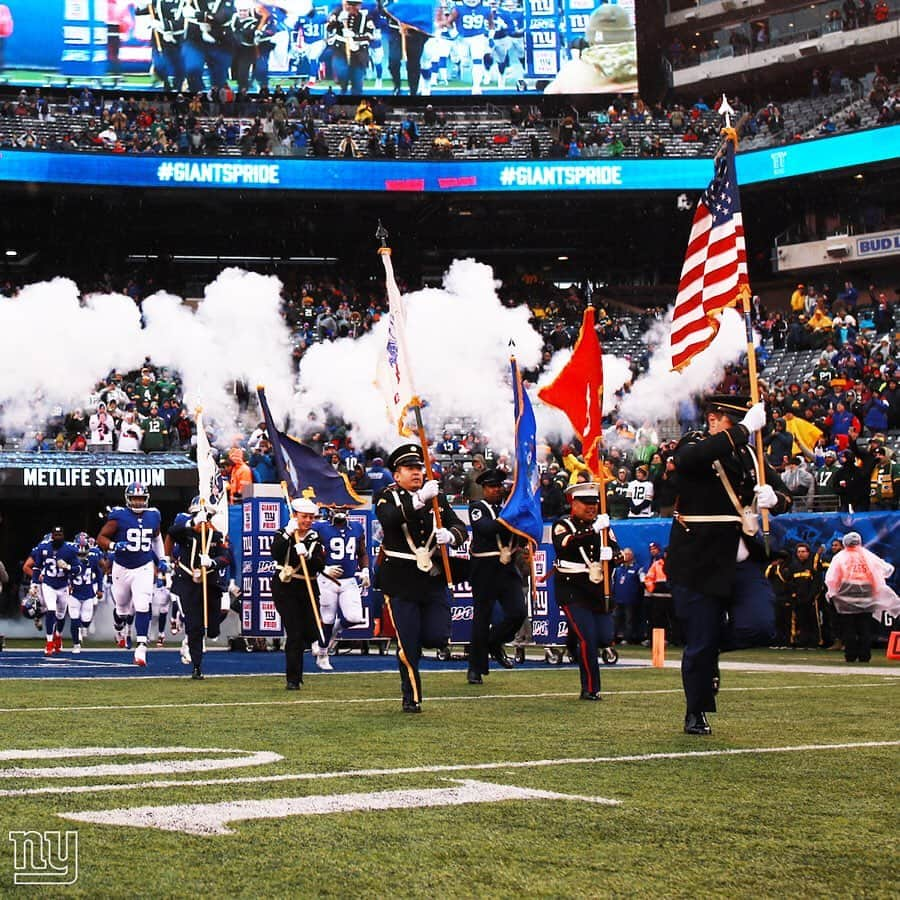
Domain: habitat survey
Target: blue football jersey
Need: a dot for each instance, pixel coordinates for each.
(472, 20)
(341, 545)
(47, 559)
(89, 580)
(135, 530)
(314, 28)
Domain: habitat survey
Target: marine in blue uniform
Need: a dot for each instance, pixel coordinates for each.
(167, 25)
(208, 41)
(411, 576)
(583, 542)
(495, 573)
(720, 593)
(201, 553)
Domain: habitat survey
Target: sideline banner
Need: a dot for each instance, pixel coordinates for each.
(259, 518)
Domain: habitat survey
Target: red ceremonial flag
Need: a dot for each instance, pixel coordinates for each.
(714, 274)
(578, 391)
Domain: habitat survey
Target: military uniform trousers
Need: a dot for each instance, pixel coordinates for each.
(422, 619)
(493, 584)
(713, 624)
(589, 630)
(299, 623)
(190, 596)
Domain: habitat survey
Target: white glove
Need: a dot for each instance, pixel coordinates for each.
(365, 579)
(425, 493)
(302, 549)
(766, 497)
(206, 561)
(291, 526)
(233, 590)
(606, 554)
(333, 571)
(601, 522)
(62, 565)
(33, 592)
(201, 517)
(443, 535)
(755, 418)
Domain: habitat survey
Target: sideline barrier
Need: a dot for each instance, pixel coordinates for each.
(260, 516)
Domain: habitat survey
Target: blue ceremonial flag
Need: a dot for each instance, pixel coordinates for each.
(522, 511)
(305, 472)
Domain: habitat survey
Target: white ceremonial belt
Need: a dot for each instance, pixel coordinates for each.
(567, 567)
(730, 520)
(399, 554)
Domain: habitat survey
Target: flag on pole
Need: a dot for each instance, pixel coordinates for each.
(305, 472)
(714, 274)
(393, 375)
(522, 511)
(578, 392)
(211, 491)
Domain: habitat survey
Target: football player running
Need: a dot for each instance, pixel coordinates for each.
(49, 566)
(86, 587)
(346, 570)
(133, 533)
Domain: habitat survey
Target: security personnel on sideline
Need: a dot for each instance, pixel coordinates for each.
(495, 578)
(299, 556)
(715, 566)
(197, 561)
(412, 575)
(579, 583)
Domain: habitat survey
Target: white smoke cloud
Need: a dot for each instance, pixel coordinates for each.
(55, 346)
(458, 342)
(655, 395)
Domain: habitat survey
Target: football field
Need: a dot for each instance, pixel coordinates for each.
(232, 787)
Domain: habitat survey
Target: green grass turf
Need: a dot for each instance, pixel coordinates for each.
(809, 824)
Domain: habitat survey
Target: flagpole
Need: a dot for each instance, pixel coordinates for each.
(204, 540)
(730, 135)
(382, 234)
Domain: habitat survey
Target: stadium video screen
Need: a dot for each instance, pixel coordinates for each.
(458, 47)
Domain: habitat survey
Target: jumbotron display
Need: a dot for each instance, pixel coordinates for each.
(455, 47)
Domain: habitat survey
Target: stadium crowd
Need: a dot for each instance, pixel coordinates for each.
(290, 121)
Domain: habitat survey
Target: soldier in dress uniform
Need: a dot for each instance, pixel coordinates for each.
(496, 577)
(714, 563)
(349, 31)
(581, 549)
(197, 561)
(411, 575)
(299, 556)
(167, 24)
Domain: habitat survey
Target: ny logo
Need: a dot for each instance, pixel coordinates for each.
(41, 858)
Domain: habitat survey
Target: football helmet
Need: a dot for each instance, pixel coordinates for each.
(339, 517)
(471, 3)
(195, 506)
(83, 543)
(137, 497)
(509, 5)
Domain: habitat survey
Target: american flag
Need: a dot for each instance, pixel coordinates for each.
(714, 274)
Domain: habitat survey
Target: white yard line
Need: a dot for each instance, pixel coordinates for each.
(442, 769)
(450, 699)
(213, 818)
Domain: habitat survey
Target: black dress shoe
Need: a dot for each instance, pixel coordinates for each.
(590, 695)
(695, 723)
(292, 686)
(499, 656)
(410, 706)
(197, 675)
(474, 677)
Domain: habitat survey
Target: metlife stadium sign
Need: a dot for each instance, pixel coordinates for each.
(290, 174)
